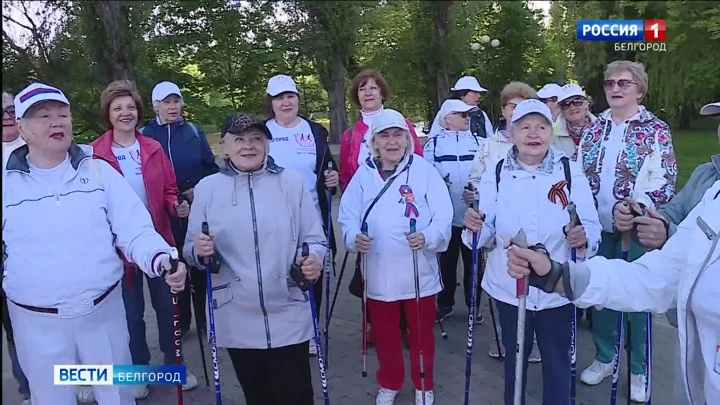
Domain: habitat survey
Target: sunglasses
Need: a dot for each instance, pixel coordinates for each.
(549, 99)
(464, 114)
(622, 83)
(9, 110)
(578, 102)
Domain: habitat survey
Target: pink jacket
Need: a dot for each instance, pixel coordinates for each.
(350, 148)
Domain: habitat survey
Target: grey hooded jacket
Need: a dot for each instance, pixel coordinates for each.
(259, 221)
(675, 211)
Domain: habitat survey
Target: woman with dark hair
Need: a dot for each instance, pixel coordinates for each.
(301, 145)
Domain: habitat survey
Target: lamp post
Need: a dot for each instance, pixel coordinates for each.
(487, 44)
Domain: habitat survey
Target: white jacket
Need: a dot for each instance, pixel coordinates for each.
(495, 148)
(561, 138)
(452, 154)
(436, 128)
(523, 203)
(390, 260)
(659, 280)
(60, 243)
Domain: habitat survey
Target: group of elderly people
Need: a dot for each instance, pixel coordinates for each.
(269, 197)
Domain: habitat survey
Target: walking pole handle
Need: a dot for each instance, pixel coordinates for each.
(574, 218)
(330, 165)
(305, 250)
(412, 225)
(364, 228)
(174, 259)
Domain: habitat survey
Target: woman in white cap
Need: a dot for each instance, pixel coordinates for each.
(530, 191)
(451, 152)
(549, 95)
(626, 152)
(259, 215)
(405, 188)
(495, 149)
(187, 147)
(661, 279)
(574, 117)
(468, 90)
(654, 230)
(64, 215)
(301, 145)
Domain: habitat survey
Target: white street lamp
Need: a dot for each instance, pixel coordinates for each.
(475, 46)
(495, 43)
(487, 42)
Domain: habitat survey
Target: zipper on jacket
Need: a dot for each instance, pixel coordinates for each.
(170, 150)
(257, 260)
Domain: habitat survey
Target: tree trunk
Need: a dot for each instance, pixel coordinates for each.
(440, 14)
(336, 90)
(116, 40)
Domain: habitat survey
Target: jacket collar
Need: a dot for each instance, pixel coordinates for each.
(18, 159)
(547, 165)
(229, 170)
(643, 116)
(715, 159)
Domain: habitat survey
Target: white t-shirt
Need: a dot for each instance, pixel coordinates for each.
(130, 164)
(367, 118)
(294, 148)
(52, 176)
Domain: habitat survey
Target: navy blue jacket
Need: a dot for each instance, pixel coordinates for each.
(187, 147)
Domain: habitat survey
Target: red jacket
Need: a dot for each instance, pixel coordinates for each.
(158, 175)
(350, 148)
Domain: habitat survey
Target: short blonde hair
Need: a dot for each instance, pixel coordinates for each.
(636, 70)
(516, 90)
(409, 150)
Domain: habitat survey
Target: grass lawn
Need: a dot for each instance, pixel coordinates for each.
(692, 148)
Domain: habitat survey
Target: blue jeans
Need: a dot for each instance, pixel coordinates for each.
(161, 298)
(23, 386)
(552, 329)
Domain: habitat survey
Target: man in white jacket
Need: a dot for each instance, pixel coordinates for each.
(657, 281)
(64, 215)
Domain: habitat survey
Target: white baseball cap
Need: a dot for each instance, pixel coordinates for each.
(531, 106)
(281, 84)
(550, 90)
(164, 89)
(570, 90)
(468, 83)
(452, 105)
(36, 93)
(388, 118)
(709, 109)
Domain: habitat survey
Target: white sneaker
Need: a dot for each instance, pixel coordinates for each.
(140, 391)
(27, 402)
(85, 394)
(385, 397)
(597, 372)
(493, 350)
(637, 388)
(190, 381)
(534, 356)
(429, 398)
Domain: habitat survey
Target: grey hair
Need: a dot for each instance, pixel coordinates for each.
(410, 147)
(155, 104)
(7, 95)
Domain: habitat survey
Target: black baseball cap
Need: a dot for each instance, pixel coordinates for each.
(239, 122)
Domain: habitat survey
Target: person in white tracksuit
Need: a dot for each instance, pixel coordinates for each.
(468, 90)
(451, 152)
(391, 188)
(495, 149)
(659, 280)
(536, 185)
(63, 217)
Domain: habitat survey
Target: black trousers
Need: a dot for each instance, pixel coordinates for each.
(278, 376)
(194, 297)
(448, 271)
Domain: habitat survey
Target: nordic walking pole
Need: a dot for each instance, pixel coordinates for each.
(648, 360)
(180, 200)
(574, 221)
(619, 333)
(521, 292)
(337, 287)
(417, 312)
(328, 263)
(308, 287)
(494, 325)
(364, 230)
(174, 257)
(211, 321)
(473, 297)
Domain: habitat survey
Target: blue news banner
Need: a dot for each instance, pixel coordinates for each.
(611, 30)
(119, 375)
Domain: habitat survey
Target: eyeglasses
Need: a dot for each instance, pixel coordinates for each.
(575, 103)
(622, 83)
(9, 110)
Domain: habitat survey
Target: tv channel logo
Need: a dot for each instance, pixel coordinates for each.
(119, 375)
(621, 30)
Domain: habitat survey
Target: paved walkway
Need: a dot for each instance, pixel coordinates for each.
(348, 387)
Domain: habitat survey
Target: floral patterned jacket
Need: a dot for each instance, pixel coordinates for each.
(646, 169)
